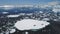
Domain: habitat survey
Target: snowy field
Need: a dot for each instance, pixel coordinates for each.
(28, 24)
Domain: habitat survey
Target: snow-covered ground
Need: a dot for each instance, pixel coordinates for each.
(13, 15)
(28, 24)
(12, 30)
(5, 12)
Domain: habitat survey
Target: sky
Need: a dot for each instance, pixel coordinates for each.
(18, 2)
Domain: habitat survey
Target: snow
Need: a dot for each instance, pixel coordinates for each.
(13, 15)
(46, 19)
(26, 32)
(7, 7)
(28, 24)
(22, 14)
(56, 10)
(4, 12)
(41, 12)
(12, 30)
(29, 14)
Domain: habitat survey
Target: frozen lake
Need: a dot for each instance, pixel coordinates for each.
(28, 24)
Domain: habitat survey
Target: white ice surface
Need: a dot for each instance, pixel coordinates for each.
(4, 12)
(13, 15)
(12, 30)
(56, 10)
(27, 24)
(7, 7)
